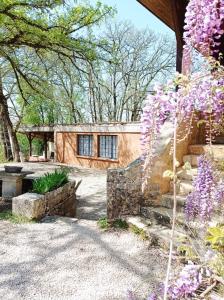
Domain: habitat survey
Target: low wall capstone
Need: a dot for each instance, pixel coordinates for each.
(61, 201)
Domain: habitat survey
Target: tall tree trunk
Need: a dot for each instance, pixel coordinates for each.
(8, 124)
(5, 141)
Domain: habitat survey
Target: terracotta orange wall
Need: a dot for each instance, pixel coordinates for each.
(66, 150)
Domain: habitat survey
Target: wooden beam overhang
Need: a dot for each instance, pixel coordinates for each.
(172, 13)
(162, 9)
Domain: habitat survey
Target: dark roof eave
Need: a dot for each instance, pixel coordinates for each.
(162, 20)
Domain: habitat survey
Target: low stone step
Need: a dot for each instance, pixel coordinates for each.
(167, 201)
(161, 235)
(187, 174)
(157, 234)
(184, 187)
(192, 159)
(161, 215)
(138, 221)
(216, 150)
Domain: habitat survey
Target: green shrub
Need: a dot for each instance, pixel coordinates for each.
(17, 219)
(215, 236)
(50, 181)
(121, 224)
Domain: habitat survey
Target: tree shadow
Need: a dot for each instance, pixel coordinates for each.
(37, 256)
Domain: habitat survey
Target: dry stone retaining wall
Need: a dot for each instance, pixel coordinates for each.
(61, 201)
(124, 191)
(124, 186)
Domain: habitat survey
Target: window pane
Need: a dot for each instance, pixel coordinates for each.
(108, 146)
(85, 145)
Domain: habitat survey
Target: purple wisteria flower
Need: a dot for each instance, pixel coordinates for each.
(188, 282)
(204, 25)
(130, 295)
(152, 296)
(199, 203)
(219, 193)
(207, 194)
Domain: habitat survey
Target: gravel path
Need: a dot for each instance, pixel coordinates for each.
(91, 194)
(64, 258)
(70, 259)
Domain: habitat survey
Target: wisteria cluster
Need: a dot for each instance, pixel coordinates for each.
(202, 92)
(204, 25)
(208, 191)
(219, 194)
(157, 108)
(200, 202)
(188, 282)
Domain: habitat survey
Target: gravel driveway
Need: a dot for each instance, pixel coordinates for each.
(64, 258)
(72, 259)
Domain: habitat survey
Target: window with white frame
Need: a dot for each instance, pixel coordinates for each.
(107, 146)
(85, 145)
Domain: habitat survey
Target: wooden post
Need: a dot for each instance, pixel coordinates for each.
(45, 146)
(30, 143)
(178, 15)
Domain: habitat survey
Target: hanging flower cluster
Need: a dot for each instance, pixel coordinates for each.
(157, 108)
(219, 193)
(185, 286)
(188, 282)
(201, 202)
(204, 25)
(202, 92)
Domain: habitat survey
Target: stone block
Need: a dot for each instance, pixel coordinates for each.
(61, 201)
(30, 205)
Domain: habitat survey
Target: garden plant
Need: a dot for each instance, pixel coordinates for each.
(193, 96)
(50, 181)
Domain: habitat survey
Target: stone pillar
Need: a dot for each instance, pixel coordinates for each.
(11, 184)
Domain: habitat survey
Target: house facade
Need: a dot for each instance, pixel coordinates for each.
(101, 146)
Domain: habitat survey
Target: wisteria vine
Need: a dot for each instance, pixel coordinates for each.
(204, 26)
(199, 92)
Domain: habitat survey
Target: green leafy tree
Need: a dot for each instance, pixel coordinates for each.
(35, 28)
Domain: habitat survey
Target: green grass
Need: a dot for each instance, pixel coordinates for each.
(103, 223)
(121, 224)
(50, 181)
(138, 231)
(16, 219)
(117, 224)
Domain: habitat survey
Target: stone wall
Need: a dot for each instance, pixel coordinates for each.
(61, 201)
(124, 186)
(123, 195)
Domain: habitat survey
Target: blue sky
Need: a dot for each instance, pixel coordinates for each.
(135, 12)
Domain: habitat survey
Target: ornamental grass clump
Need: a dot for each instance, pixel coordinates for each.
(50, 181)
